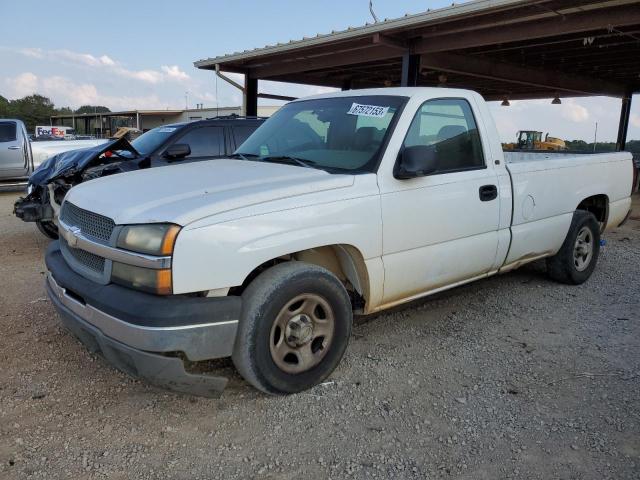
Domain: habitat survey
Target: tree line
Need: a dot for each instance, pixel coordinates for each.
(582, 146)
(37, 110)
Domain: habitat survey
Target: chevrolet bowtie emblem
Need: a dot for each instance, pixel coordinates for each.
(72, 238)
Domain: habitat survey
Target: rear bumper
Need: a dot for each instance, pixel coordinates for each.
(149, 344)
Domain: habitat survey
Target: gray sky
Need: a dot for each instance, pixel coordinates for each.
(140, 55)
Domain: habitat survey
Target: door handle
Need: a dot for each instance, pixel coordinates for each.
(14, 147)
(488, 193)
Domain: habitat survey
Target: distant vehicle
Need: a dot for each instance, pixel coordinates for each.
(16, 160)
(67, 133)
(47, 138)
(532, 140)
(180, 142)
(19, 157)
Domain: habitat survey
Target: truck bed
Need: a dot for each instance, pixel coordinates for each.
(547, 189)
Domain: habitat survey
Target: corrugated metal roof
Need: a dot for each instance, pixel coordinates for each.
(409, 20)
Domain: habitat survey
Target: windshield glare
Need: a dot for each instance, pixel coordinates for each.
(338, 133)
(149, 141)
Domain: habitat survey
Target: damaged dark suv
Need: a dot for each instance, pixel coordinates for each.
(162, 146)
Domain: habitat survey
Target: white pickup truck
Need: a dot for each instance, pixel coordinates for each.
(345, 203)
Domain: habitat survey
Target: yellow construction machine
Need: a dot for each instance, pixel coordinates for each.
(532, 140)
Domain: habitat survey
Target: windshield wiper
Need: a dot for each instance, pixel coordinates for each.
(303, 162)
(243, 156)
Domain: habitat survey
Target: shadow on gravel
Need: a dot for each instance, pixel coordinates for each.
(533, 273)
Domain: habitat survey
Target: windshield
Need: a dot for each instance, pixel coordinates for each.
(336, 134)
(149, 141)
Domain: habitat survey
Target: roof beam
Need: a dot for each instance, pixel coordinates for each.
(380, 39)
(553, 26)
(330, 60)
(491, 97)
(506, 72)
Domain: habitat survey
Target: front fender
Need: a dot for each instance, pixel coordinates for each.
(223, 255)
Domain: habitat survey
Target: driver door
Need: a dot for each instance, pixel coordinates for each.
(440, 229)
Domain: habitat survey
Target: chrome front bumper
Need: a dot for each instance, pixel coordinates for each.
(156, 342)
(198, 342)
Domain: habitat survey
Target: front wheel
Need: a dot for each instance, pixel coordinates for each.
(295, 326)
(575, 261)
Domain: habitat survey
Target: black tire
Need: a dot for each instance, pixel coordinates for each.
(562, 267)
(262, 302)
(48, 229)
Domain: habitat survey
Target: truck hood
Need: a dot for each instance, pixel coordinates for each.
(69, 163)
(185, 193)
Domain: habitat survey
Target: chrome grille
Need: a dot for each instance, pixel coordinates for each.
(89, 260)
(90, 223)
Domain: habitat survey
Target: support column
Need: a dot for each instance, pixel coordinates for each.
(623, 126)
(410, 70)
(347, 84)
(250, 100)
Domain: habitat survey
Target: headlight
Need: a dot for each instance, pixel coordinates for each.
(145, 279)
(29, 189)
(151, 239)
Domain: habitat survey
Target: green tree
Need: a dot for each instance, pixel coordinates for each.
(92, 109)
(32, 110)
(633, 146)
(64, 111)
(4, 107)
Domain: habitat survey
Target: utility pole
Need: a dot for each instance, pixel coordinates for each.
(595, 138)
(186, 100)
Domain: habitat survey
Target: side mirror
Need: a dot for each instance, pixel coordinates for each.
(177, 151)
(416, 161)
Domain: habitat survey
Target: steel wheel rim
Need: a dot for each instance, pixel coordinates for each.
(302, 333)
(583, 249)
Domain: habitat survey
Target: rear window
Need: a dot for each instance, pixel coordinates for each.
(8, 131)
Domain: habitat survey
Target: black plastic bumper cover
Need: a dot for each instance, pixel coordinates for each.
(164, 370)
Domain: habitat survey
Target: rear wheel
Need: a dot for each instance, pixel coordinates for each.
(48, 229)
(575, 261)
(295, 326)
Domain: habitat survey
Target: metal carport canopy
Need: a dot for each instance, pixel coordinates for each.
(501, 48)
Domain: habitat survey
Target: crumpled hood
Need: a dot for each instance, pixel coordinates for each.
(185, 193)
(74, 161)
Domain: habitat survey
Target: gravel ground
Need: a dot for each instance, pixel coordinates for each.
(511, 377)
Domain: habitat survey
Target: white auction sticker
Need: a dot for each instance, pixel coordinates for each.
(368, 110)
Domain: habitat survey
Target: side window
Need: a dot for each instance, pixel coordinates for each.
(449, 125)
(8, 132)
(241, 133)
(204, 141)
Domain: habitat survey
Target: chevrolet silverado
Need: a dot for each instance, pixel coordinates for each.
(340, 204)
